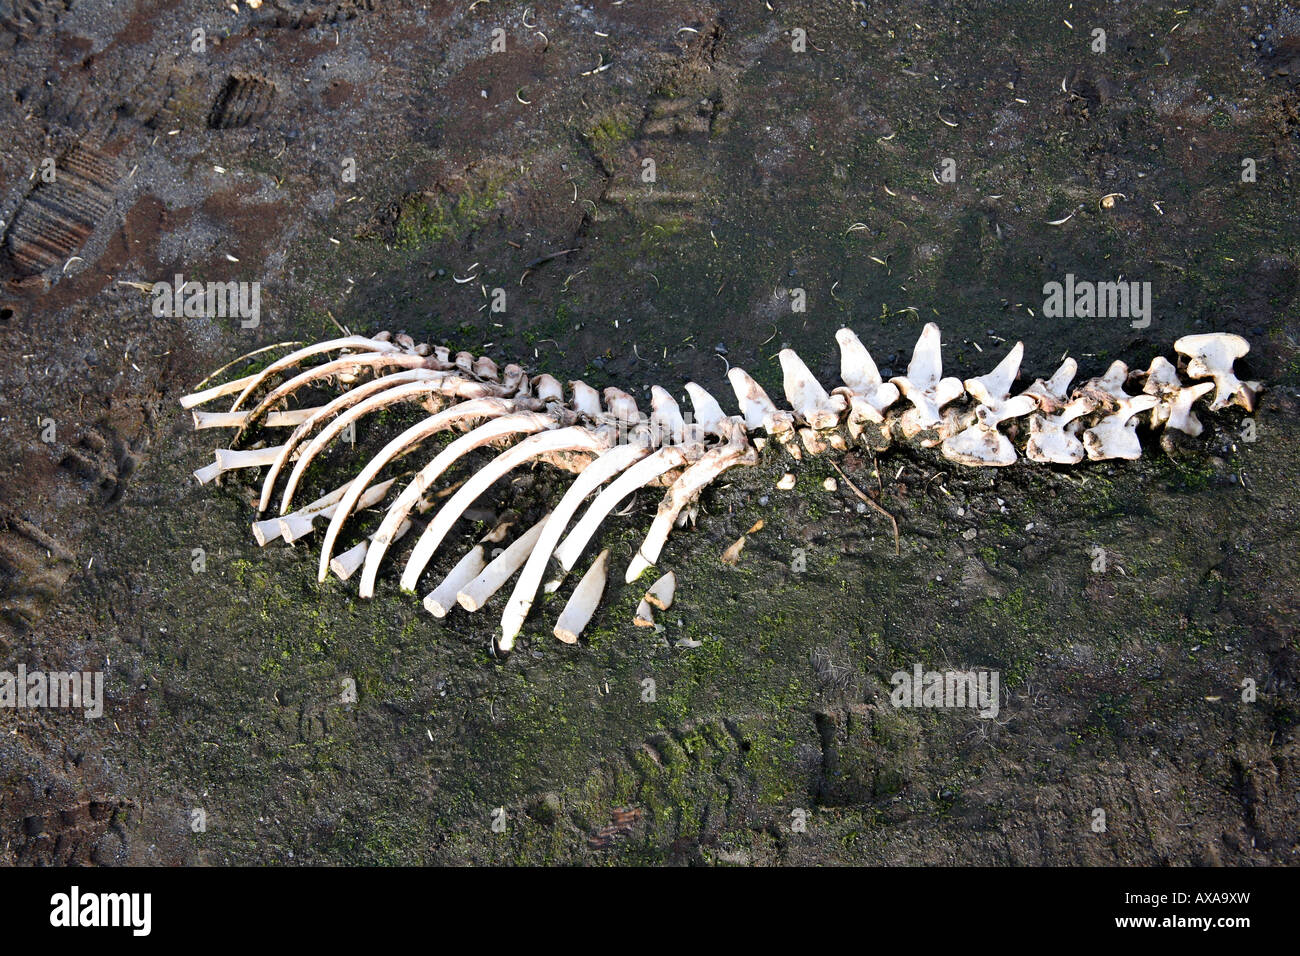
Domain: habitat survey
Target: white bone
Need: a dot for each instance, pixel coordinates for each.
(295, 416)
(443, 598)
(523, 422)
(1115, 436)
(357, 342)
(230, 459)
(606, 466)
(410, 437)
(667, 425)
(981, 443)
(806, 395)
(586, 400)
(645, 616)
(1211, 355)
(299, 523)
(640, 474)
(737, 451)
(621, 405)
(1174, 409)
(367, 397)
(581, 605)
(345, 565)
(758, 409)
(923, 385)
(572, 438)
(478, 591)
(195, 399)
(707, 413)
(662, 591)
(868, 396)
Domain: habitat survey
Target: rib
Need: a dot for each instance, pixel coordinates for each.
(526, 422)
(439, 421)
(284, 419)
(296, 525)
(639, 475)
(443, 598)
(737, 451)
(606, 466)
(569, 439)
(194, 399)
(474, 594)
(293, 359)
(412, 436)
(581, 606)
(348, 365)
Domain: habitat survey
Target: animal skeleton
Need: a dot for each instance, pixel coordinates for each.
(614, 445)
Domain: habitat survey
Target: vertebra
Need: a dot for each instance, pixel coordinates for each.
(616, 446)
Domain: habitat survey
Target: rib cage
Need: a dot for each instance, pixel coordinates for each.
(607, 441)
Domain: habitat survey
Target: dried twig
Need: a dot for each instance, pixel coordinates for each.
(857, 491)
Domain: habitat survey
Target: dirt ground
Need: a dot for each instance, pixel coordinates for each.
(227, 155)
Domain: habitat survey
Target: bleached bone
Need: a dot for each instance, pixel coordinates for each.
(355, 342)
(344, 565)
(924, 386)
(560, 440)
(442, 599)
(662, 591)
(407, 439)
(606, 466)
(621, 406)
(667, 427)
(194, 399)
(284, 419)
(694, 455)
(642, 473)
(298, 524)
(491, 431)
(757, 408)
(439, 421)
(1115, 436)
(1108, 389)
(707, 413)
(806, 395)
(478, 591)
(868, 395)
(548, 389)
(1174, 408)
(581, 606)
(269, 529)
(645, 615)
(340, 404)
(230, 459)
(1052, 438)
(586, 400)
(736, 451)
(981, 443)
(1211, 355)
(348, 365)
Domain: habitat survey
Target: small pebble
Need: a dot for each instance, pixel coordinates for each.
(830, 484)
(786, 481)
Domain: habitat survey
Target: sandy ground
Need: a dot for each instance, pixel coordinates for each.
(228, 155)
